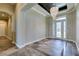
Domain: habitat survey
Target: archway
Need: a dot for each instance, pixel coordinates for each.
(6, 35)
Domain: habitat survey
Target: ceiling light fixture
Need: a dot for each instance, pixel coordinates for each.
(54, 11)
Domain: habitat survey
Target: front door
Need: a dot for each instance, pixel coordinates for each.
(60, 28)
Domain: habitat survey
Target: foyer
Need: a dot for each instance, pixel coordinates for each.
(39, 29)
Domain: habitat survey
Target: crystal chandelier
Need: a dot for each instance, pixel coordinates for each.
(54, 12)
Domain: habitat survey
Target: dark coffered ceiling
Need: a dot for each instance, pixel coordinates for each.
(47, 6)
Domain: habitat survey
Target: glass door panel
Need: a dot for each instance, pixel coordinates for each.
(58, 29)
(64, 23)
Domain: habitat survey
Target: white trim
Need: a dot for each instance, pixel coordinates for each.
(64, 39)
(77, 47)
(38, 11)
(21, 46)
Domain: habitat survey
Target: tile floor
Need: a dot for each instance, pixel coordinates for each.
(48, 47)
(5, 43)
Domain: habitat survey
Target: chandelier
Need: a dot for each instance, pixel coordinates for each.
(54, 11)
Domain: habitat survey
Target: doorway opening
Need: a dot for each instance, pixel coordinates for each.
(60, 27)
(5, 31)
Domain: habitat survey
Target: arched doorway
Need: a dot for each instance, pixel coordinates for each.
(5, 31)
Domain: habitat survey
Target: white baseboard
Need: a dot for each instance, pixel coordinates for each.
(64, 39)
(21, 46)
(77, 46)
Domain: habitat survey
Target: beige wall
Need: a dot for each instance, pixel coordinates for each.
(77, 26)
(9, 28)
(71, 25)
(49, 27)
(6, 8)
(3, 25)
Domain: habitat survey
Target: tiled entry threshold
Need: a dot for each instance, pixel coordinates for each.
(48, 47)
